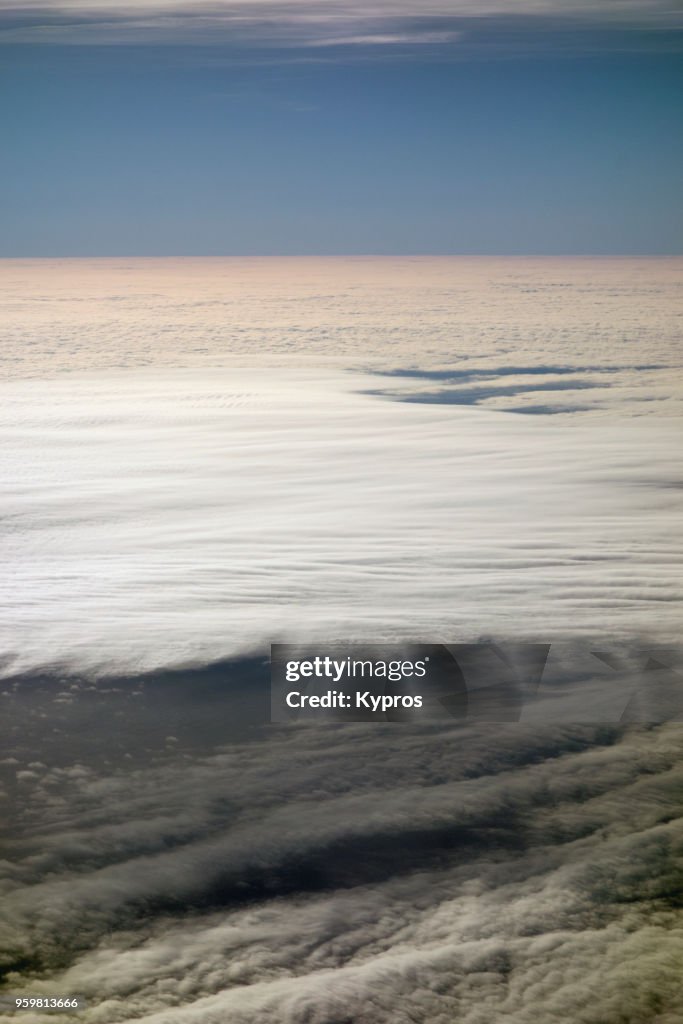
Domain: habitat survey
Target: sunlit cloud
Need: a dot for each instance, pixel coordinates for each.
(397, 39)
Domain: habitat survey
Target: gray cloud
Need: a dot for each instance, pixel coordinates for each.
(302, 23)
(493, 873)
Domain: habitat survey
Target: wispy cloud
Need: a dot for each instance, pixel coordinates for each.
(307, 22)
(395, 39)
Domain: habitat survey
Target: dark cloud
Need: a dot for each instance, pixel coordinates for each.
(332, 874)
(406, 873)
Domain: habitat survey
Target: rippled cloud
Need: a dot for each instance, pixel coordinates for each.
(496, 873)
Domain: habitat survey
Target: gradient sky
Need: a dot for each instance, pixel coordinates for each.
(310, 126)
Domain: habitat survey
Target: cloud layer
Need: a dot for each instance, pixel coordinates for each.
(168, 857)
(170, 514)
(490, 327)
(302, 23)
(414, 874)
(158, 518)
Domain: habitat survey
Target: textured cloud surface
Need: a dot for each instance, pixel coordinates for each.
(358, 875)
(158, 518)
(224, 484)
(201, 457)
(497, 325)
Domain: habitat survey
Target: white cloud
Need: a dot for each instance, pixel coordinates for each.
(397, 39)
(163, 515)
(157, 518)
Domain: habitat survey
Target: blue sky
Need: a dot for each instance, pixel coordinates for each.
(257, 127)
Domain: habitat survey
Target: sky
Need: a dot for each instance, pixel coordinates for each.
(310, 127)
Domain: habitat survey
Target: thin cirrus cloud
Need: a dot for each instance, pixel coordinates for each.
(312, 23)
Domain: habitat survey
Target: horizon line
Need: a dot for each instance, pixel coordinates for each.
(350, 255)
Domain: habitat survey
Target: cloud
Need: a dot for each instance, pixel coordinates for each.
(179, 516)
(304, 23)
(410, 875)
(398, 39)
(500, 873)
(155, 517)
